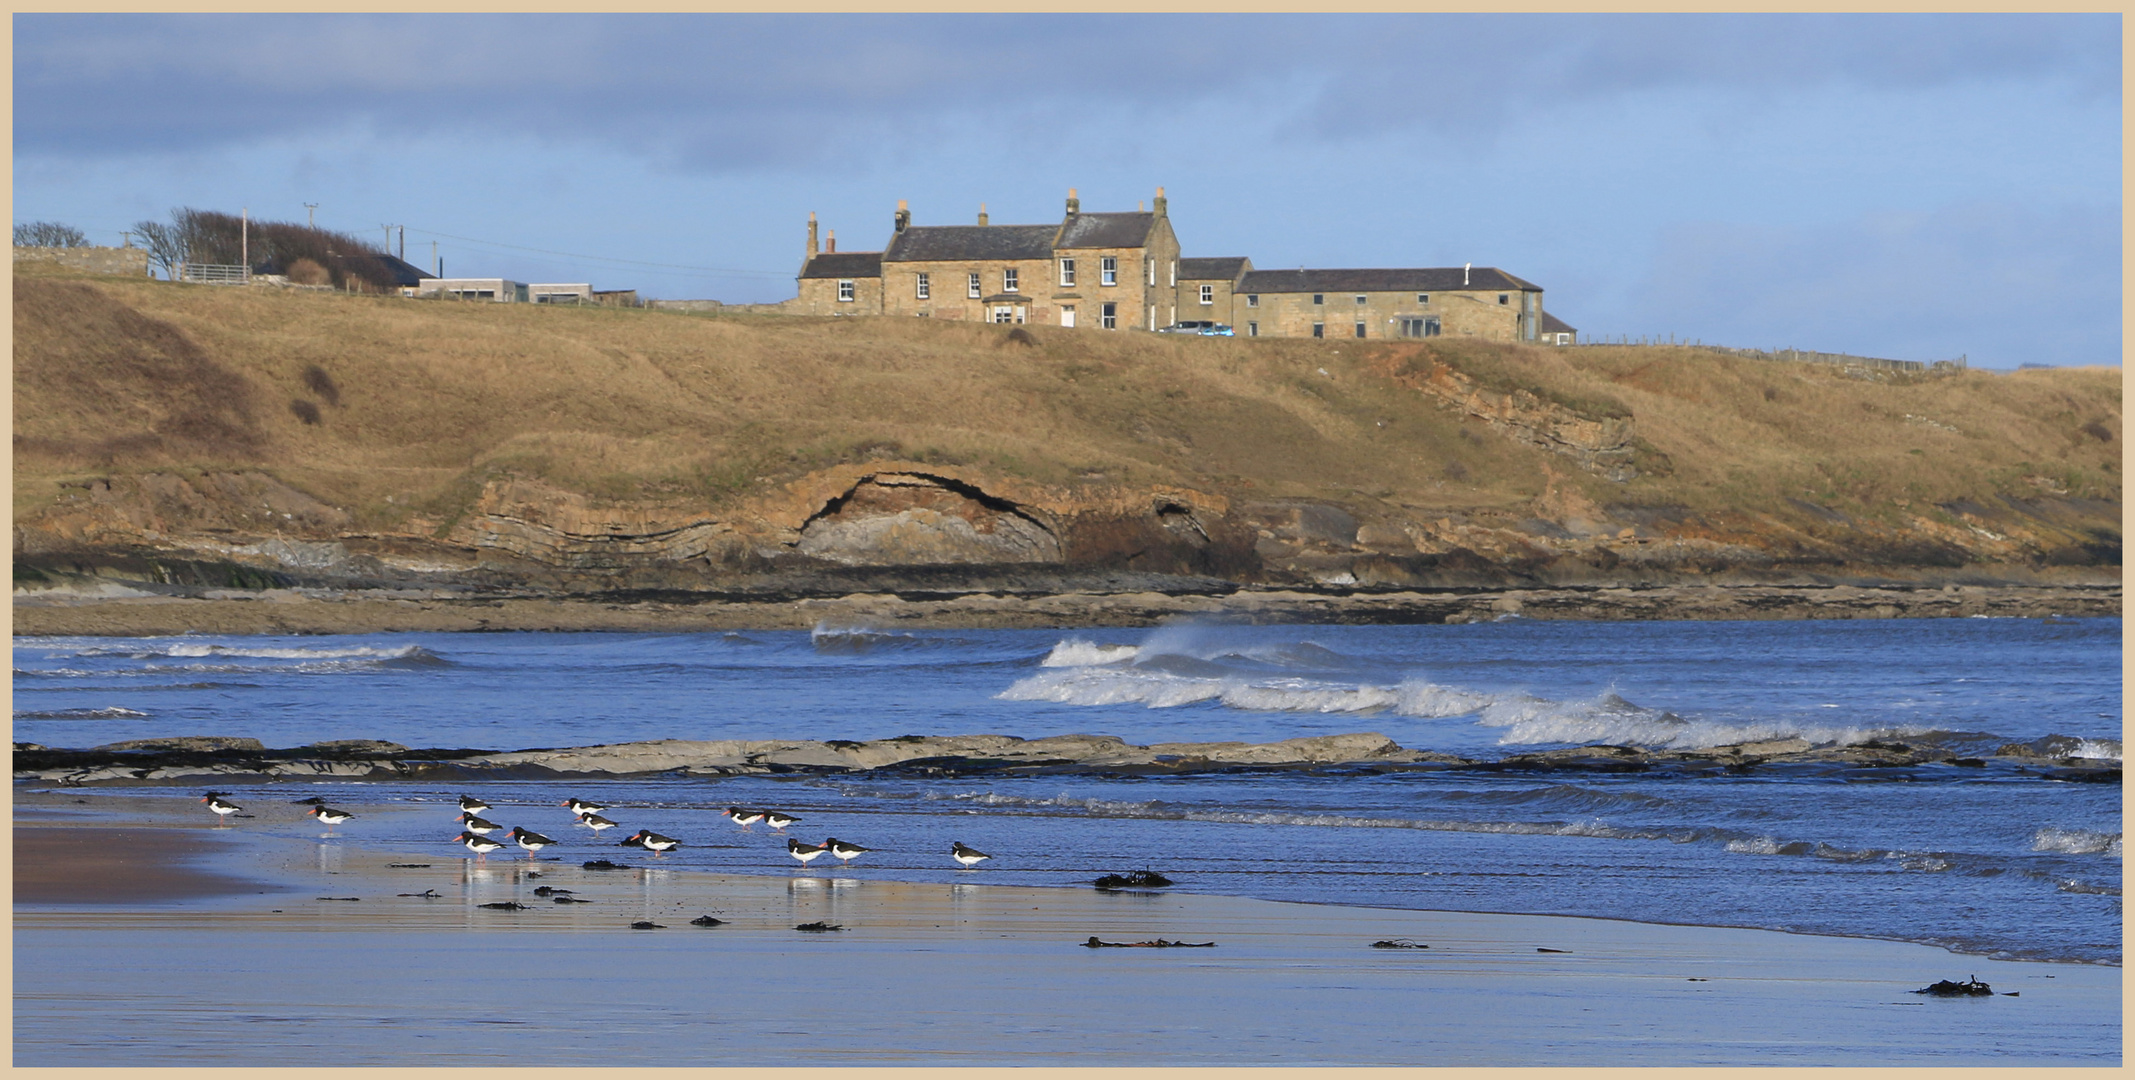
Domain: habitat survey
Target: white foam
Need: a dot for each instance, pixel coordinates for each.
(1612, 720)
(1106, 685)
(2101, 749)
(2076, 842)
(202, 650)
(113, 712)
(1076, 652)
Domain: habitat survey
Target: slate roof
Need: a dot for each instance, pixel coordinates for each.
(1225, 268)
(844, 264)
(1431, 279)
(1107, 230)
(1554, 325)
(400, 271)
(960, 243)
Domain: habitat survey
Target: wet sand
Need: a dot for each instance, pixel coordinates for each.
(414, 970)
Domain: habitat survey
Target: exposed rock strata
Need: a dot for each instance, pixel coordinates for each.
(204, 760)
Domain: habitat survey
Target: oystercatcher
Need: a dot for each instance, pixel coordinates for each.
(804, 852)
(845, 852)
(595, 822)
(581, 808)
(479, 826)
(531, 841)
(743, 818)
(651, 841)
(471, 805)
(222, 809)
(480, 845)
(970, 857)
(329, 815)
(777, 820)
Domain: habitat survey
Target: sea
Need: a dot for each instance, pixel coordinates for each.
(1994, 861)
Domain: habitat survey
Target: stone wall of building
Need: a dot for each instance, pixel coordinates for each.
(820, 296)
(1465, 313)
(96, 260)
(949, 290)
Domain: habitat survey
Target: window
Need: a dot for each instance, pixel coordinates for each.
(1108, 274)
(1108, 314)
(1067, 314)
(1423, 298)
(1504, 298)
(1360, 329)
(1067, 274)
(1361, 299)
(971, 286)
(1319, 329)
(1208, 294)
(1174, 274)
(1151, 265)
(1418, 326)
(1252, 329)
(845, 291)
(1008, 280)
(1318, 298)
(1004, 314)
(921, 288)
(1252, 299)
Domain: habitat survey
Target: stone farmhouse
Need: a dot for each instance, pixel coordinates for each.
(1124, 271)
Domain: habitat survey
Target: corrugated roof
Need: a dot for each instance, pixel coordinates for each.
(844, 264)
(953, 243)
(1107, 230)
(1223, 268)
(1427, 279)
(1554, 325)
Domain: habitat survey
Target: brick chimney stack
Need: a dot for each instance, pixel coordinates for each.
(1162, 204)
(904, 215)
(811, 234)
(1074, 204)
(833, 248)
(982, 213)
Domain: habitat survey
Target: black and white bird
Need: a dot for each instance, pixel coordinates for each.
(777, 820)
(531, 841)
(480, 845)
(222, 809)
(804, 852)
(471, 805)
(329, 815)
(970, 857)
(845, 852)
(651, 841)
(480, 826)
(743, 818)
(581, 808)
(595, 822)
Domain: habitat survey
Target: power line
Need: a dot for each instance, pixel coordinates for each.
(605, 258)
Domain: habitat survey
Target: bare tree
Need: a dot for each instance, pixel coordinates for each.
(49, 234)
(165, 244)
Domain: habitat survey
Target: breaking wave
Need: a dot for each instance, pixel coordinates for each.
(2076, 842)
(113, 712)
(203, 650)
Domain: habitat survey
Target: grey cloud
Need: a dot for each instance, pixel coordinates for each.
(736, 91)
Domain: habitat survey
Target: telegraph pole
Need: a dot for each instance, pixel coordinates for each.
(244, 232)
(311, 215)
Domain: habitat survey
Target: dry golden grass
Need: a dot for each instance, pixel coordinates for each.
(428, 399)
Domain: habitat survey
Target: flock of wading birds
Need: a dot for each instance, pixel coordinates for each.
(476, 830)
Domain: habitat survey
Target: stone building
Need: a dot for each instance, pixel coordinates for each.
(1416, 303)
(1123, 270)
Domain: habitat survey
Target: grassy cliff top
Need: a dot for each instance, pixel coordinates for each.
(390, 407)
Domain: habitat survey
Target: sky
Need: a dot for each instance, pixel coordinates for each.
(1917, 187)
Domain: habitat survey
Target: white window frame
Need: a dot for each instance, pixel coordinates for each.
(1067, 273)
(845, 290)
(1208, 295)
(1108, 270)
(971, 286)
(922, 288)
(1108, 316)
(1151, 264)
(1174, 275)
(1008, 279)
(1252, 329)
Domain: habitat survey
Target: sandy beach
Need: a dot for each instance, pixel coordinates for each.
(244, 946)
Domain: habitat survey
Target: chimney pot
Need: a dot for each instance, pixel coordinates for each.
(1074, 205)
(904, 215)
(833, 248)
(982, 213)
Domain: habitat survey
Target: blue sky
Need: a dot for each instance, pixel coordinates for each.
(1917, 187)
